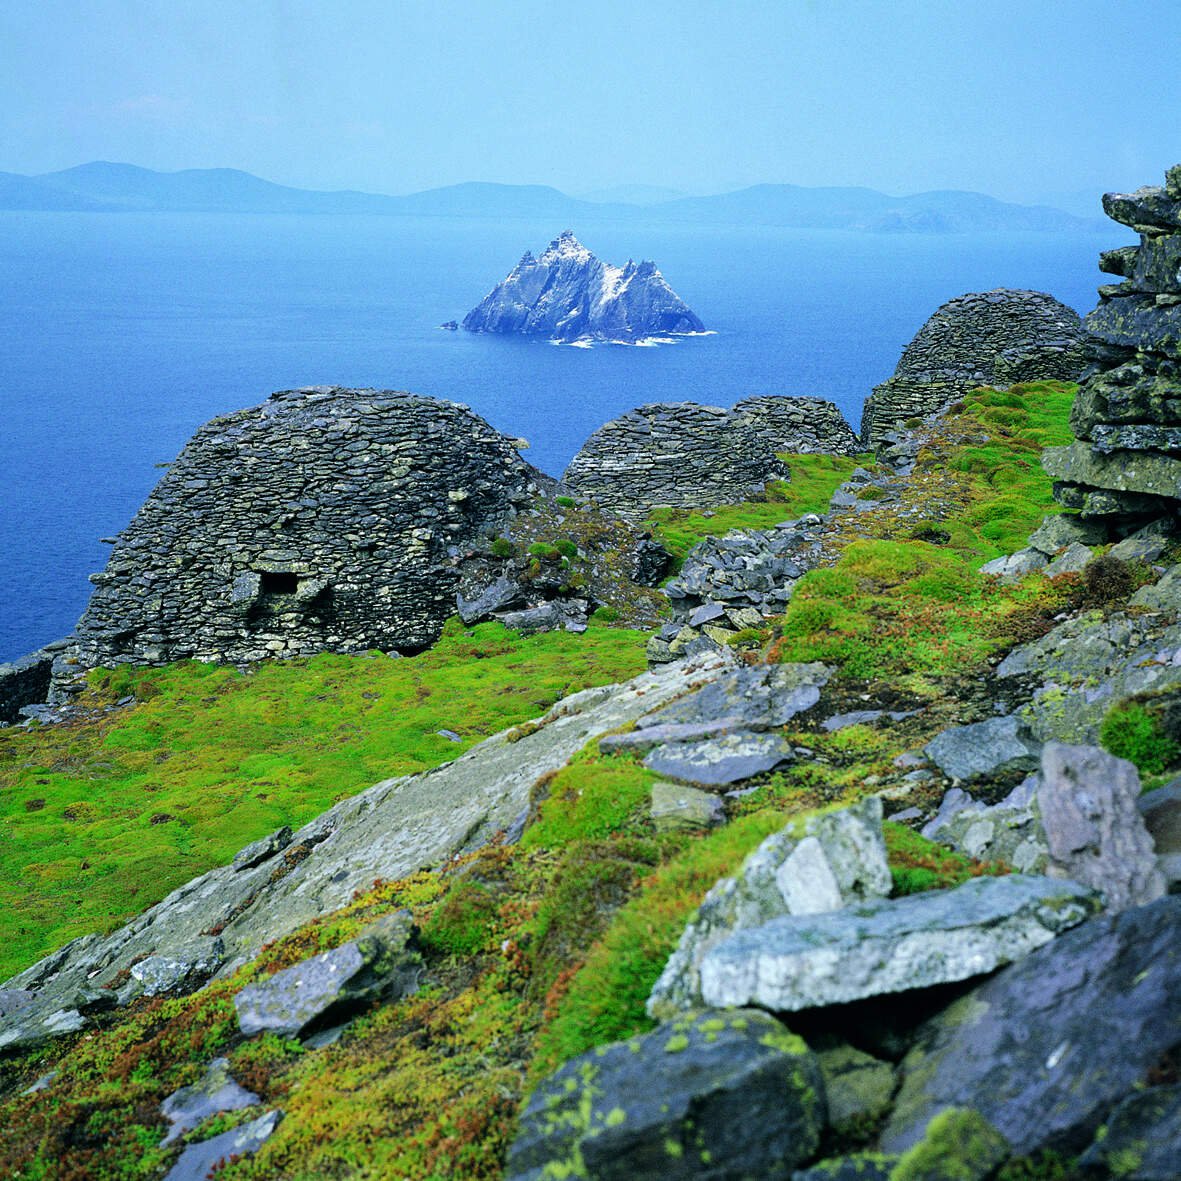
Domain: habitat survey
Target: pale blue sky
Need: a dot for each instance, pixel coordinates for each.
(1026, 99)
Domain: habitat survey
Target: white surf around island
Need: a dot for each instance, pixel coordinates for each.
(641, 342)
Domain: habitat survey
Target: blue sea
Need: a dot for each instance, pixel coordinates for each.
(121, 333)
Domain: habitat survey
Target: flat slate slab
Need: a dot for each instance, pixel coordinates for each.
(1045, 1048)
(983, 748)
(718, 762)
(215, 1091)
(806, 961)
(198, 1160)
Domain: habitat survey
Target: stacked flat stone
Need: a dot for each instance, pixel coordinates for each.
(1126, 465)
(680, 454)
(992, 338)
(326, 519)
(802, 426)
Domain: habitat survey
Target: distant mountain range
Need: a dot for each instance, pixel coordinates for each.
(105, 187)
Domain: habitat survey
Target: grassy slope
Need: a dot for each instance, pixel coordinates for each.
(99, 820)
(539, 951)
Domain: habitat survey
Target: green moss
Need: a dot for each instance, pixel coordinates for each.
(917, 864)
(462, 923)
(1137, 732)
(959, 1145)
(228, 756)
(501, 547)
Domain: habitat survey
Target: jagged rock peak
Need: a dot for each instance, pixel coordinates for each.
(568, 294)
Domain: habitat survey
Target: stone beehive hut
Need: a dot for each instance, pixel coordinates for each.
(673, 453)
(324, 519)
(984, 338)
(802, 426)
(1126, 464)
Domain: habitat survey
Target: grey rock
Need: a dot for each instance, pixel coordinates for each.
(1072, 560)
(1010, 831)
(1141, 1140)
(843, 862)
(1045, 1048)
(199, 1160)
(1163, 595)
(805, 961)
(501, 594)
(389, 831)
(678, 808)
(982, 749)
(1014, 566)
(1094, 831)
(32, 1025)
(262, 850)
(545, 617)
(182, 972)
(643, 740)
(1161, 811)
(40, 1083)
(873, 1166)
(567, 294)
(719, 1095)
(1139, 549)
(764, 697)
(719, 762)
(12, 1000)
(1062, 529)
(215, 1091)
(376, 965)
(706, 613)
(799, 425)
(25, 682)
(1149, 472)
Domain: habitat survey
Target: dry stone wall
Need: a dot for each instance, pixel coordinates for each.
(23, 682)
(802, 426)
(326, 519)
(984, 338)
(1125, 466)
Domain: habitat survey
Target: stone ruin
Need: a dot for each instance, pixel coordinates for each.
(685, 455)
(325, 519)
(799, 426)
(993, 338)
(1125, 468)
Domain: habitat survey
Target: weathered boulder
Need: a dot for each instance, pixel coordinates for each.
(215, 1091)
(806, 961)
(199, 1160)
(1047, 1047)
(983, 338)
(824, 862)
(323, 520)
(983, 748)
(378, 964)
(873, 1166)
(1010, 831)
(1060, 530)
(673, 453)
(1141, 1141)
(717, 1096)
(184, 970)
(1094, 830)
(959, 1143)
(568, 294)
(1162, 595)
(721, 761)
(858, 1086)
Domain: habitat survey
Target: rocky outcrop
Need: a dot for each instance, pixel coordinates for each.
(673, 453)
(1046, 1048)
(221, 919)
(801, 426)
(24, 682)
(1126, 463)
(325, 519)
(984, 338)
(568, 294)
(738, 1096)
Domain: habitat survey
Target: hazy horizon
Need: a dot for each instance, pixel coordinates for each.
(1030, 104)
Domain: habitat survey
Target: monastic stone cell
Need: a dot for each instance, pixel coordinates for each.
(326, 519)
(992, 338)
(801, 426)
(673, 453)
(1125, 467)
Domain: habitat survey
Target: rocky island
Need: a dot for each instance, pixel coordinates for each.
(567, 294)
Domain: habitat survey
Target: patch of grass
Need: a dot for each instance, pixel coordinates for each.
(893, 605)
(231, 756)
(917, 864)
(814, 478)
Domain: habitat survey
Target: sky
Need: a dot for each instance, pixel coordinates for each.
(1029, 100)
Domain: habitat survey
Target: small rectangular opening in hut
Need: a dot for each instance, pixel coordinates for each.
(274, 583)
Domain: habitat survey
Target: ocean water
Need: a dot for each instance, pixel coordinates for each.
(120, 334)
